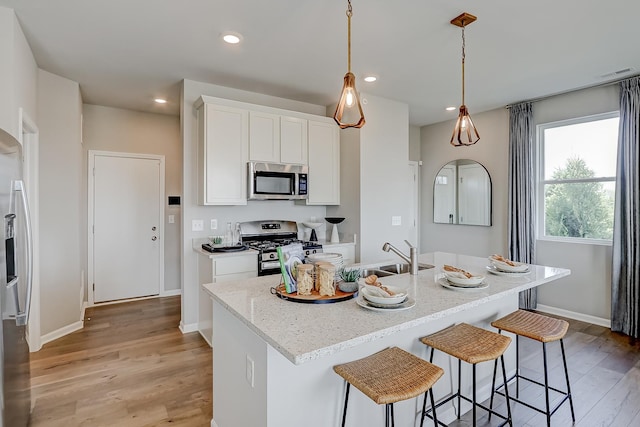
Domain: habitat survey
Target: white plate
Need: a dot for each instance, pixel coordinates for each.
(370, 295)
(410, 302)
(445, 283)
(517, 268)
(455, 278)
(492, 269)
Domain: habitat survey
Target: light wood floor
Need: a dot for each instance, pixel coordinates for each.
(131, 367)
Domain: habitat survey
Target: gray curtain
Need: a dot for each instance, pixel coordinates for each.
(522, 239)
(625, 281)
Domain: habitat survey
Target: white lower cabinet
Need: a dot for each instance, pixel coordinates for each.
(220, 269)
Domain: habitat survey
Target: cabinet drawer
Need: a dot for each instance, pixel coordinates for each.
(231, 265)
(236, 276)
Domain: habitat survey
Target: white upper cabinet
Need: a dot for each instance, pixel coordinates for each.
(223, 148)
(264, 137)
(293, 140)
(277, 139)
(324, 163)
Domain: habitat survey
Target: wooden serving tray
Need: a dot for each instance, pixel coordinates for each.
(314, 298)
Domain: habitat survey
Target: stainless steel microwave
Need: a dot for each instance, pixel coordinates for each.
(277, 181)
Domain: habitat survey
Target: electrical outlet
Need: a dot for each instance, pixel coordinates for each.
(250, 371)
(197, 225)
(396, 220)
(214, 224)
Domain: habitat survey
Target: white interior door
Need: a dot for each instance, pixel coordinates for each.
(127, 238)
(444, 196)
(474, 195)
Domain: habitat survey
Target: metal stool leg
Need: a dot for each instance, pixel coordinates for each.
(393, 418)
(517, 367)
(506, 391)
(346, 402)
(566, 376)
(433, 408)
(459, 383)
(493, 386)
(474, 395)
(546, 383)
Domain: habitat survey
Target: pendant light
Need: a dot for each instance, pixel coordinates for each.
(349, 110)
(465, 132)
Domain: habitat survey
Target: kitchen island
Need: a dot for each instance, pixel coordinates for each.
(273, 359)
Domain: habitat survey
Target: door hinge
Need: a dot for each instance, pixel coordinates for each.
(94, 287)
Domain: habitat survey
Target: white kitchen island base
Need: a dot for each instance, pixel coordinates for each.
(273, 359)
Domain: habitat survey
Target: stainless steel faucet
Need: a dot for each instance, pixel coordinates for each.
(412, 259)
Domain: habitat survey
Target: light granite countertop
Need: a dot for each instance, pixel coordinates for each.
(299, 331)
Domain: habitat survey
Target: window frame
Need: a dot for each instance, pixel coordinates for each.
(541, 182)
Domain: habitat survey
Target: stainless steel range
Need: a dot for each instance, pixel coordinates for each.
(266, 236)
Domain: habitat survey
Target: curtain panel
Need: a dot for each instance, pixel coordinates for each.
(522, 180)
(625, 281)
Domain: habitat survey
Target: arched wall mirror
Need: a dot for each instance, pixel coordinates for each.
(462, 194)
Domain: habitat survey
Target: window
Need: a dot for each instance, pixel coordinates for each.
(577, 178)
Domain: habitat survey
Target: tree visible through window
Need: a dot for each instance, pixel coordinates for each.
(578, 177)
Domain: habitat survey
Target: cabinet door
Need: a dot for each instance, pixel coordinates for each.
(223, 144)
(293, 140)
(324, 164)
(264, 137)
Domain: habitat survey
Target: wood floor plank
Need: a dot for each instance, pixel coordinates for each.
(130, 366)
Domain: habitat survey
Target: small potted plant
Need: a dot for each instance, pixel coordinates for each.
(349, 279)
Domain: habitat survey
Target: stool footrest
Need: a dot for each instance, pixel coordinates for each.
(480, 405)
(565, 395)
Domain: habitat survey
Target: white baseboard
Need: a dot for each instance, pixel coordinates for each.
(207, 339)
(213, 423)
(171, 293)
(574, 315)
(188, 328)
(51, 336)
(84, 308)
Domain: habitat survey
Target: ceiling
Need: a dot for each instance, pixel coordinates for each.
(124, 53)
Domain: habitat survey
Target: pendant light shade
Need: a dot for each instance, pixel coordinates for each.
(464, 132)
(349, 110)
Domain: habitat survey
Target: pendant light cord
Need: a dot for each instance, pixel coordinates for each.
(463, 56)
(349, 14)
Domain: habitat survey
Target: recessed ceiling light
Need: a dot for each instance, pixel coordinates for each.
(370, 79)
(160, 101)
(450, 108)
(232, 38)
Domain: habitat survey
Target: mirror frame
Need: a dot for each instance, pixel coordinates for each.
(457, 163)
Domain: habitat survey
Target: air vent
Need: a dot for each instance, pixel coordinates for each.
(616, 73)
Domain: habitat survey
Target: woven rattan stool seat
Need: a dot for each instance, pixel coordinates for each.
(532, 325)
(390, 375)
(468, 343)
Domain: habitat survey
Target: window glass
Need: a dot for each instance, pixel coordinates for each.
(577, 184)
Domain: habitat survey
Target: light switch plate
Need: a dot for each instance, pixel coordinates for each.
(197, 225)
(214, 224)
(172, 219)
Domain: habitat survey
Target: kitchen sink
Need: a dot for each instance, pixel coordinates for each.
(402, 268)
(380, 273)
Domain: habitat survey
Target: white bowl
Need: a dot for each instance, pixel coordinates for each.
(369, 295)
(518, 267)
(462, 280)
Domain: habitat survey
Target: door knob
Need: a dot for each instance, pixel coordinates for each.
(153, 228)
(154, 238)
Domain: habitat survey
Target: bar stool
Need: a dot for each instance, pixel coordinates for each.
(473, 345)
(540, 328)
(390, 376)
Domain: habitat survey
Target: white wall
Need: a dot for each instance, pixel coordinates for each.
(255, 210)
(414, 143)
(59, 111)
(590, 264)
(119, 130)
(492, 151)
(384, 163)
(373, 183)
